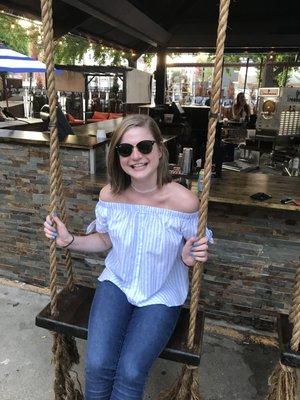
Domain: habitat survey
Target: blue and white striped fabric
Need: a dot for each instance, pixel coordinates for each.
(145, 259)
(12, 62)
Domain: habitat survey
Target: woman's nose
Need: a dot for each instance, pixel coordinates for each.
(135, 153)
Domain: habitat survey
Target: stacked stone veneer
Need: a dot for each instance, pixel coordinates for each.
(250, 272)
(250, 275)
(24, 192)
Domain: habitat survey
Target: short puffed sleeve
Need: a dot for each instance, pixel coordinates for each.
(189, 227)
(100, 223)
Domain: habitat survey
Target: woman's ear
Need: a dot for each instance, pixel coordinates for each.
(160, 151)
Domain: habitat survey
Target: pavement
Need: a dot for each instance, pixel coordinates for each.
(235, 364)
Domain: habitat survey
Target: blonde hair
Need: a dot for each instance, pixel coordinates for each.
(118, 179)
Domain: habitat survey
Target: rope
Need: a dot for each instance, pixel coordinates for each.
(187, 385)
(295, 312)
(283, 381)
(68, 261)
(46, 12)
(64, 349)
(56, 187)
(215, 101)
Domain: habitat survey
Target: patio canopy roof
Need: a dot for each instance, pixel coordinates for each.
(181, 25)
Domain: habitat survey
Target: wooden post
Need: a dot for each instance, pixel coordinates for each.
(160, 77)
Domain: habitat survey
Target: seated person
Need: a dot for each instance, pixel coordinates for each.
(241, 110)
(207, 102)
(5, 116)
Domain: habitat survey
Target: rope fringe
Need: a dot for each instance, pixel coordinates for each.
(283, 383)
(185, 387)
(65, 355)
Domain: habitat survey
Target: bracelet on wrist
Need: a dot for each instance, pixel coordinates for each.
(67, 245)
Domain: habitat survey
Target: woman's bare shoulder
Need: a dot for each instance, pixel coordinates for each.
(182, 199)
(106, 194)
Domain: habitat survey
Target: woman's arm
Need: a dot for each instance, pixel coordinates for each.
(95, 242)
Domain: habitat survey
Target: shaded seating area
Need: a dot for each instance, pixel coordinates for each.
(74, 121)
(98, 116)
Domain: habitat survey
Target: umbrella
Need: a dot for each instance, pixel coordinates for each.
(13, 62)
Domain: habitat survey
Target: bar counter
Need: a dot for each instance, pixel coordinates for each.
(236, 187)
(249, 275)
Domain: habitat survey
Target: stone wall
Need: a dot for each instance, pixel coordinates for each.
(24, 204)
(250, 274)
(247, 280)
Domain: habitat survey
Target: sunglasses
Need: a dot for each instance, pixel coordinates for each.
(144, 147)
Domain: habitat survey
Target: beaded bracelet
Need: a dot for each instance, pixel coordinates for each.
(67, 245)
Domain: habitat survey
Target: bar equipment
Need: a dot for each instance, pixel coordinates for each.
(187, 160)
(278, 111)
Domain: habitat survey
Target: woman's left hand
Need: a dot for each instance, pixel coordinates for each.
(194, 250)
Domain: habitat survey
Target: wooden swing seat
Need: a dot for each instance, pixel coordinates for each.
(73, 312)
(285, 329)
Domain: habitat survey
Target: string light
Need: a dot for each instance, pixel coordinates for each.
(24, 23)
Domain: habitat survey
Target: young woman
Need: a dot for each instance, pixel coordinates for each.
(149, 224)
(241, 110)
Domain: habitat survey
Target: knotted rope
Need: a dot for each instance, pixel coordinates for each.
(64, 349)
(283, 381)
(187, 385)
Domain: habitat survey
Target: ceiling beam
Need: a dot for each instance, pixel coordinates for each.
(124, 16)
(235, 40)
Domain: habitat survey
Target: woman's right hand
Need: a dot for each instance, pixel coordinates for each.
(60, 234)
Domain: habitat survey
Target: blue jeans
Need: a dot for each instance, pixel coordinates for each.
(123, 342)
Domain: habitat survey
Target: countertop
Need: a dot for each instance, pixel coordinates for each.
(236, 187)
(109, 126)
(39, 138)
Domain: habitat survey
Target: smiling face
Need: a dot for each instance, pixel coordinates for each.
(140, 167)
(154, 166)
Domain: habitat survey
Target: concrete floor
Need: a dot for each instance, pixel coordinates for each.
(233, 366)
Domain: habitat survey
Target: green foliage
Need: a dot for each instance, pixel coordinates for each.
(147, 58)
(281, 73)
(70, 49)
(100, 55)
(115, 87)
(116, 56)
(13, 35)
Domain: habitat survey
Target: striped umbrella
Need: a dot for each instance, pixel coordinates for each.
(13, 62)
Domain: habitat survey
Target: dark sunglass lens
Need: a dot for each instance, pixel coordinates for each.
(124, 149)
(145, 146)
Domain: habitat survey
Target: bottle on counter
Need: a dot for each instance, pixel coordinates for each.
(200, 175)
(295, 166)
(180, 161)
(200, 180)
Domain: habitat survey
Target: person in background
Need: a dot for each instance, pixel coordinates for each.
(148, 223)
(207, 101)
(241, 110)
(6, 115)
(2, 115)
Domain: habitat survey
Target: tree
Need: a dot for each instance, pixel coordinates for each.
(68, 49)
(13, 35)
(281, 73)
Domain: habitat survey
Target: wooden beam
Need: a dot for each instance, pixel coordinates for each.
(255, 40)
(122, 15)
